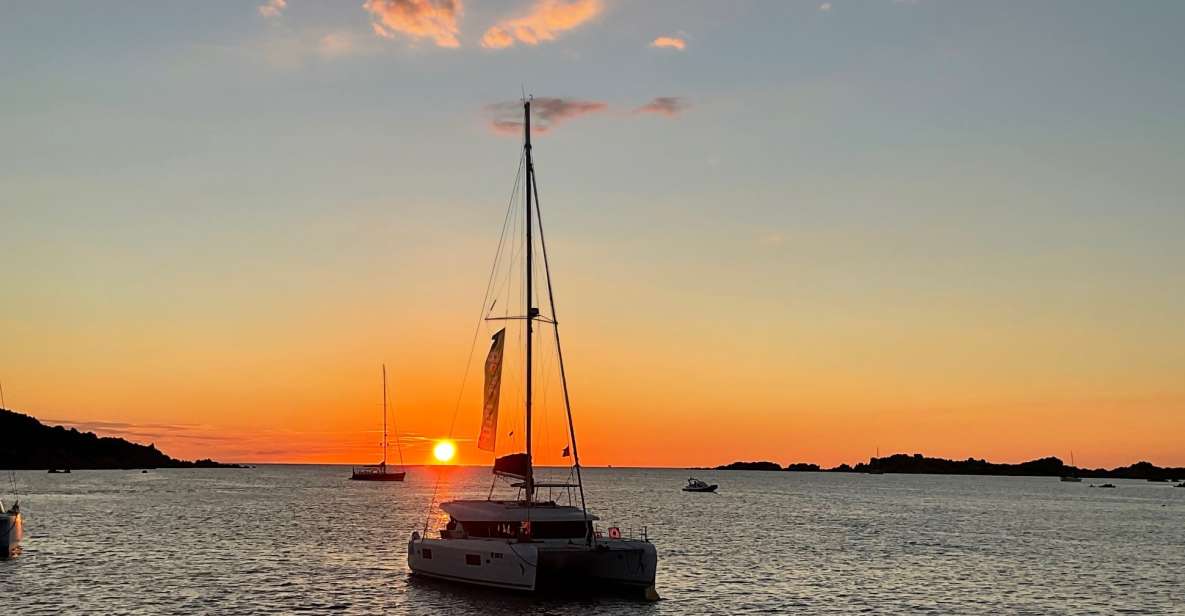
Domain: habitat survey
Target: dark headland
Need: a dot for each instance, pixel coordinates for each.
(919, 464)
(29, 444)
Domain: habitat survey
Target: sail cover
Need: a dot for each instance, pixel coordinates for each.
(489, 415)
(517, 465)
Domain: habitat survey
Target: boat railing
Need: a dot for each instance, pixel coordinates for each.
(615, 533)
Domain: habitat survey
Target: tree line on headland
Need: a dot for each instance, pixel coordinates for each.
(26, 443)
(919, 464)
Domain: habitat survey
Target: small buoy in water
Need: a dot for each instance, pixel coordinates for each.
(652, 594)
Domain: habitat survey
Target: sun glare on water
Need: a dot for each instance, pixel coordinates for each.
(444, 451)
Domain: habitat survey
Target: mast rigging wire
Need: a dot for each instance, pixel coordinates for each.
(477, 325)
(560, 353)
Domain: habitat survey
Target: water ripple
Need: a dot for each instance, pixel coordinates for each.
(302, 539)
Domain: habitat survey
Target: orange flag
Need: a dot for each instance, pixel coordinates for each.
(489, 415)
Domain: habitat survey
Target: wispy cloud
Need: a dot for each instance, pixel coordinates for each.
(272, 8)
(664, 105)
(669, 42)
(381, 31)
(143, 433)
(770, 238)
(546, 19)
(419, 19)
(336, 44)
(547, 113)
(826, 6)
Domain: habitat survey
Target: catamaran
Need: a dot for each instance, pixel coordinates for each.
(380, 471)
(530, 542)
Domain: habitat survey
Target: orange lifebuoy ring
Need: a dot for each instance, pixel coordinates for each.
(614, 533)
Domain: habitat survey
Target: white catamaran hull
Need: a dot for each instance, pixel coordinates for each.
(499, 564)
(543, 565)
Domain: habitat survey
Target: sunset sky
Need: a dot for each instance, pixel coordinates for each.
(794, 231)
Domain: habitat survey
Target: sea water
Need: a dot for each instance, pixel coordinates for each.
(290, 539)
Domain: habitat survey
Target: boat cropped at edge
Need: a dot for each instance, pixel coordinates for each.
(11, 530)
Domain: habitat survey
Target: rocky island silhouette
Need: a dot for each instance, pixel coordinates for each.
(29, 444)
(919, 464)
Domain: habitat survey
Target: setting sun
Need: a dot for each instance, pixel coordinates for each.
(444, 451)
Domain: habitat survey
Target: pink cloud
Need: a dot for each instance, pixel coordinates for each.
(272, 8)
(670, 42)
(547, 113)
(432, 19)
(546, 19)
(669, 106)
(379, 30)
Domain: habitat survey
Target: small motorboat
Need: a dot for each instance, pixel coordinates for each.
(695, 485)
(10, 530)
(1105, 485)
(1072, 478)
(54, 471)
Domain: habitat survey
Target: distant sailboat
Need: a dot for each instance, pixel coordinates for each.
(875, 470)
(1073, 477)
(380, 471)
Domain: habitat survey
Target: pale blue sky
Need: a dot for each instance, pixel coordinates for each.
(884, 170)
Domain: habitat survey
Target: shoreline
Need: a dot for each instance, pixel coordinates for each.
(918, 464)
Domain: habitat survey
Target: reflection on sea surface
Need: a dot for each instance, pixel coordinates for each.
(284, 539)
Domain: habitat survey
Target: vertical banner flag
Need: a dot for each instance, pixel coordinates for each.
(489, 415)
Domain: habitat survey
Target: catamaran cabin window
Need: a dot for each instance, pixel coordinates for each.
(539, 530)
(560, 530)
(473, 559)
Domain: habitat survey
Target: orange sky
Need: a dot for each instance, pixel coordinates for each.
(663, 388)
(670, 364)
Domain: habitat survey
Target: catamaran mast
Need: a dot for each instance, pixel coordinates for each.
(531, 311)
